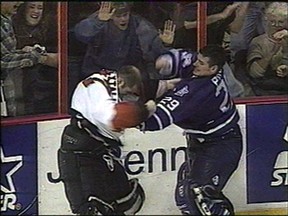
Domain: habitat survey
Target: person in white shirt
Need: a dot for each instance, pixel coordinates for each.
(102, 106)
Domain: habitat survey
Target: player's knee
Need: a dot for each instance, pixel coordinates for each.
(128, 205)
(192, 199)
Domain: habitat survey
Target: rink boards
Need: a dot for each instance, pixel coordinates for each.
(260, 184)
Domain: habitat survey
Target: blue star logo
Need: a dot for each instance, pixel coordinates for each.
(16, 162)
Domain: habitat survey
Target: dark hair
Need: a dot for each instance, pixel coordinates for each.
(215, 53)
(131, 75)
(44, 33)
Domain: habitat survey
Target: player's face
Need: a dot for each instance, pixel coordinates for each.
(129, 93)
(121, 20)
(202, 67)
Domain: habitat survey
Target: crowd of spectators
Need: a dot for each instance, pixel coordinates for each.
(112, 34)
(22, 58)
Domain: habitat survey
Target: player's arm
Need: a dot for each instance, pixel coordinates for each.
(176, 63)
(169, 110)
(166, 85)
(173, 108)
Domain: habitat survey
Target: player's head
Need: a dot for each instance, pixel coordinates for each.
(130, 83)
(121, 15)
(210, 60)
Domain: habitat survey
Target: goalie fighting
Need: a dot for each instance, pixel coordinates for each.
(89, 157)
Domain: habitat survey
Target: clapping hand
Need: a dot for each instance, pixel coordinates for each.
(282, 70)
(27, 49)
(167, 36)
(279, 35)
(105, 12)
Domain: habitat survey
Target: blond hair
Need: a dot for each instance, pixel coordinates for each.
(278, 9)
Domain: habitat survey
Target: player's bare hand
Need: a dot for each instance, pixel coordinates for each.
(167, 35)
(151, 107)
(105, 11)
(282, 70)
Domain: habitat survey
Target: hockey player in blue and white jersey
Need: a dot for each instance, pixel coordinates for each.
(182, 61)
(201, 105)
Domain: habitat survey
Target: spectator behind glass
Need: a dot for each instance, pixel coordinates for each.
(116, 37)
(266, 53)
(220, 15)
(154, 11)
(77, 11)
(12, 60)
(249, 24)
(35, 23)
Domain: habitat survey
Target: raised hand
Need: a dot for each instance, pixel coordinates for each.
(105, 12)
(167, 35)
(230, 9)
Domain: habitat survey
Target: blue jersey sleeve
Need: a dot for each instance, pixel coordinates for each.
(199, 105)
(182, 63)
(174, 107)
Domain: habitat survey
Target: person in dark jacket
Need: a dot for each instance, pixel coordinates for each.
(115, 37)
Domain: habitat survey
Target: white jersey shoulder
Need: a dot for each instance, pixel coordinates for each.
(96, 100)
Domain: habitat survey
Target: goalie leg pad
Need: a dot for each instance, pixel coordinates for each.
(128, 205)
(200, 200)
(133, 202)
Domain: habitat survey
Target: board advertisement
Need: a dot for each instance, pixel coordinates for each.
(267, 153)
(19, 191)
(29, 153)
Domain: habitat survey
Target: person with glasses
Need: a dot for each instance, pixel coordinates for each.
(267, 53)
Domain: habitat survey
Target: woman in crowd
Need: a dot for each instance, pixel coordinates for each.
(35, 24)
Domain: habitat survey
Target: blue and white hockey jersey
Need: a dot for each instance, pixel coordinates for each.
(201, 106)
(181, 65)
